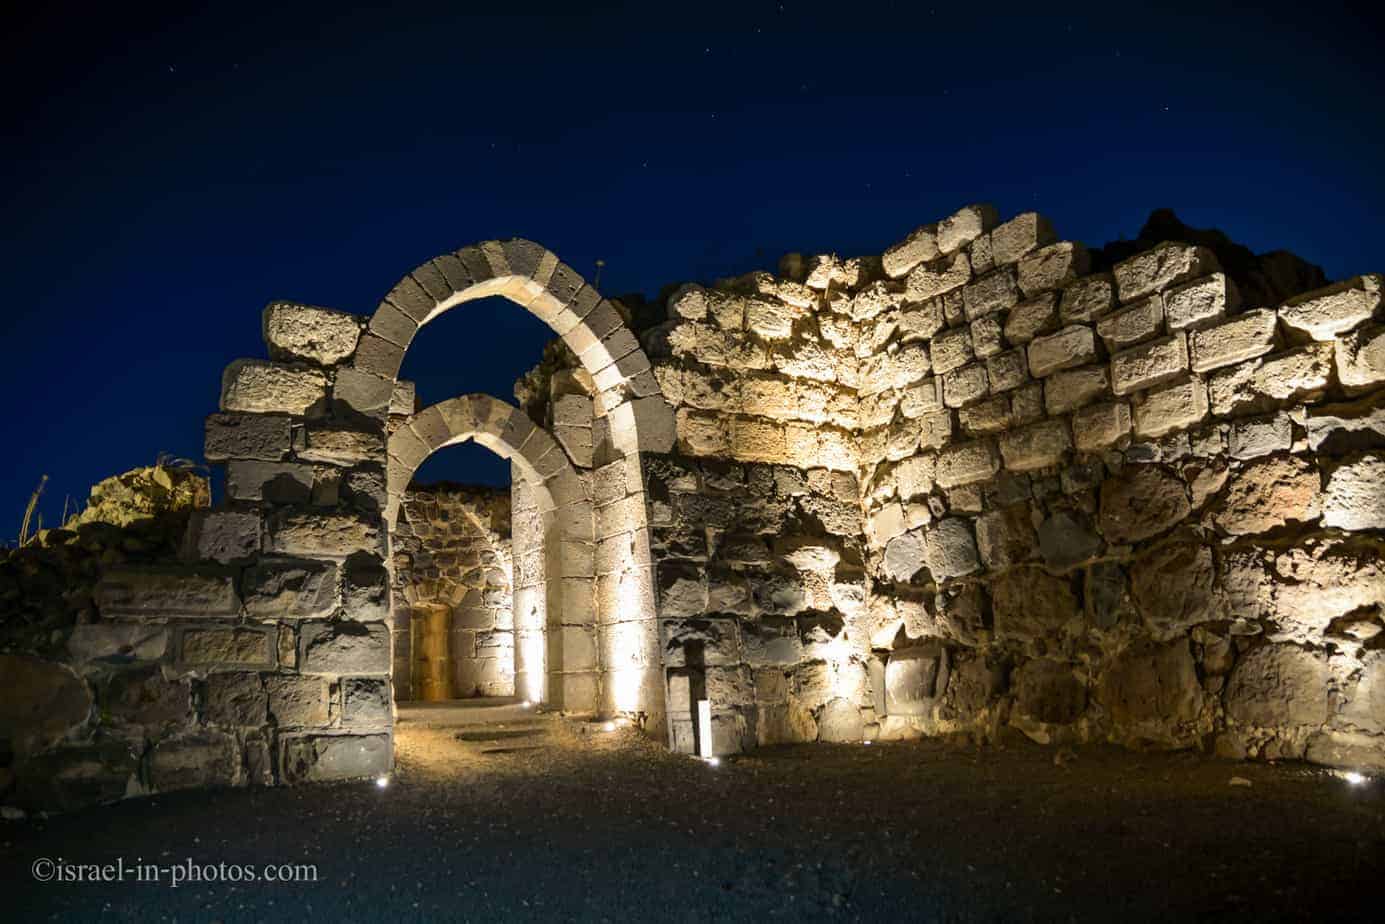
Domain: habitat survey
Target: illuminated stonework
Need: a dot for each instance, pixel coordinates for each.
(988, 478)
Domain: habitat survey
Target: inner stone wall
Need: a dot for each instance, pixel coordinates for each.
(993, 478)
(453, 569)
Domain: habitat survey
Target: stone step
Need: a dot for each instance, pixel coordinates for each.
(464, 712)
(513, 749)
(503, 733)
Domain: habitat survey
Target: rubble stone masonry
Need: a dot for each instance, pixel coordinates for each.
(990, 478)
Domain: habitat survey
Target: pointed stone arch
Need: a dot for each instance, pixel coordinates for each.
(532, 277)
(556, 653)
(637, 419)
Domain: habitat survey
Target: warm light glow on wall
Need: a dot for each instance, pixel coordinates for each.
(532, 644)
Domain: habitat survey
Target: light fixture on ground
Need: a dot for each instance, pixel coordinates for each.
(382, 781)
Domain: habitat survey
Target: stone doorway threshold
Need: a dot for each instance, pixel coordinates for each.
(462, 713)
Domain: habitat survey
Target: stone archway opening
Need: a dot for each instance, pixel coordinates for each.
(553, 640)
(598, 588)
(452, 593)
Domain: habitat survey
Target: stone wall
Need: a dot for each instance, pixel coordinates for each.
(451, 547)
(989, 478)
(992, 477)
(261, 652)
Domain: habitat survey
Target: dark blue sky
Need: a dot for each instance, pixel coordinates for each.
(172, 171)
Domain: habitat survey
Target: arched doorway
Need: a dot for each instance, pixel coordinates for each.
(603, 560)
(557, 660)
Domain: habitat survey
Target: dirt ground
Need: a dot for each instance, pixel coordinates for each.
(611, 828)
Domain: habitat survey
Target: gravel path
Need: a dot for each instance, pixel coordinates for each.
(610, 828)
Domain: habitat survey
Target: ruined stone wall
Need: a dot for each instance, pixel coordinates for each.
(451, 548)
(994, 478)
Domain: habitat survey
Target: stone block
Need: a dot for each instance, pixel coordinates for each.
(378, 356)
(1200, 302)
(1355, 494)
(1252, 437)
(291, 589)
(704, 642)
(770, 319)
(297, 702)
(1326, 314)
(920, 246)
(951, 350)
(689, 301)
(227, 647)
(1268, 493)
(319, 335)
(915, 679)
(982, 258)
(1031, 318)
(1072, 388)
(1171, 407)
(344, 648)
(1087, 299)
(1243, 337)
(223, 536)
(366, 701)
(1357, 425)
(1300, 373)
(985, 336)
(930, 280)
(247, 436)
(197, 760)
(315, 534)
(403, 399)
(770, 641)
(362, 393)
(993, 292)
(1048, 692)
(1143, 501)
(235, 698)
(317, 758)
(166, 591)
(64, 779)
(1018, 236)
(1007, 370)
(1278, 686)
(920, 322)
(1150, 690)
(1027, 403)
(343, 446)
(1159, 268)
(1361, 358)
(1139, 322)
(964, 226)
(965, 385)
(949, 549)
(1006, 536)
(1067, 540)
(1036, 446)
(988, 416)
(43, 702)
(276, 482)
(1149, 364)
(1074, 345)
(260, 387)
(904, 554)
(966, 463)
(117, 642)
(1052, 267)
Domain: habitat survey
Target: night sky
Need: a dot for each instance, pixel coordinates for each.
(172, 171)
